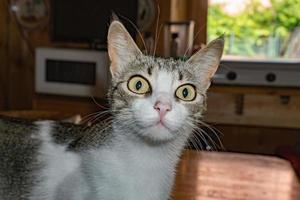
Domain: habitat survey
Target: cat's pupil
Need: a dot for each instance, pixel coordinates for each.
(185, 92)
(138, 85)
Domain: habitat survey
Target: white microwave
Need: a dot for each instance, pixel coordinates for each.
(72, 72)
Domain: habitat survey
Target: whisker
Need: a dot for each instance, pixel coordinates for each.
(197, 146)
(202, 134)
(192, 139)
(155, 47)
(92, 116)
(137, 30)
(196, 142)
(96, 120)
(202, 138)
(156, 27)
(88, 115)
(97, 117)
(213, 130)
(99, 105)
(195, 37)
(206, 135)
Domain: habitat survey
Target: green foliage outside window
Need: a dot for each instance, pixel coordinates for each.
(257, 30)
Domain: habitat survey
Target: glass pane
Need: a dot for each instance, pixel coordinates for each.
(256, 28)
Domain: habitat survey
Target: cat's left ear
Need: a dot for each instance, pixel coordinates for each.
(205, 62)
(121, 47)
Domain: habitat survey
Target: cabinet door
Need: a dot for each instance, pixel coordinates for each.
(254, 109)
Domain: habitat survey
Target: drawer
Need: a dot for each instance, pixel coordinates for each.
(253, 109)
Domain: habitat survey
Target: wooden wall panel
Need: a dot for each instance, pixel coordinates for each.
(179, 10)
(164, 15)
(197, 11)
(183, 10)
(16, 63)
(3, 53)
(20, 79)
(67, 105)
(257, 140)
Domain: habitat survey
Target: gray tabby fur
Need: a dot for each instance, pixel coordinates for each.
(125, 159)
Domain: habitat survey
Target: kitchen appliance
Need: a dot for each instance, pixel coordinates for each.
(259, 72)
(72, 72)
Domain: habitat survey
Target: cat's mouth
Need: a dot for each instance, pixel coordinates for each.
(160, 124)
(157, 130)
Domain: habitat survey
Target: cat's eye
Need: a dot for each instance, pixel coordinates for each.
(186, 92)
(139, 85)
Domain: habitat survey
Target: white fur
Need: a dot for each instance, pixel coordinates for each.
(130, 171)
(57, 163)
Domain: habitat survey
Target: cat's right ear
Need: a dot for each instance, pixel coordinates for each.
(121, 47)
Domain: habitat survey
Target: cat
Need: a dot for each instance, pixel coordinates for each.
(155, 104)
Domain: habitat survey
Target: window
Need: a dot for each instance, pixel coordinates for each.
(256, 28)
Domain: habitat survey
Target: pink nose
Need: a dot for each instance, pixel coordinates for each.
(162, 108)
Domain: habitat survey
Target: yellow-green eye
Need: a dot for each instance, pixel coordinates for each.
(186, 92)
(138, 85)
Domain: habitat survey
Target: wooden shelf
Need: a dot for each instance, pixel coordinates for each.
(255, 106)
(279, 91)
(68, 105)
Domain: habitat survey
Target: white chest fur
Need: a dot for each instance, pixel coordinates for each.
(57, 164)
(130, 172)
(127, 171)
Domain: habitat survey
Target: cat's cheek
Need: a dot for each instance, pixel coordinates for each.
(177, 117)
(144, 113)
(200, 99)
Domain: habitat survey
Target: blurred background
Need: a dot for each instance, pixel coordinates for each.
(54, 60)
(54, 64)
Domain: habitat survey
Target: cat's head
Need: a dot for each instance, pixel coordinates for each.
(158, 99)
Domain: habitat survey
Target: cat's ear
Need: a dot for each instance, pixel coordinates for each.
(121, 47)
(205, 62)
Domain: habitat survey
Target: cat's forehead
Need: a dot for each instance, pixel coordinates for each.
(153, 65)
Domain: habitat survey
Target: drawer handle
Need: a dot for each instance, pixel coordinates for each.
(285, 99)
(239, 104)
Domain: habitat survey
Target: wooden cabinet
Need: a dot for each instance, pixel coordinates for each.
(255, 119)
(67, 105)
(257, 139)
(16, 64)
(268, 107)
